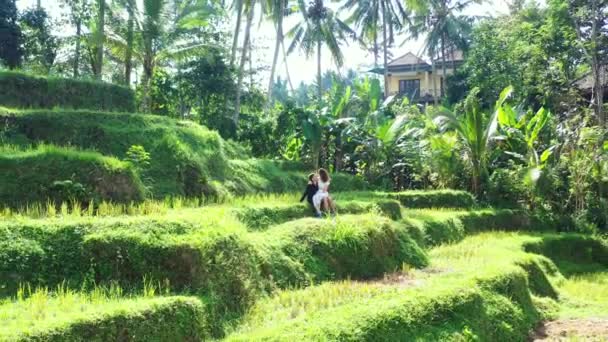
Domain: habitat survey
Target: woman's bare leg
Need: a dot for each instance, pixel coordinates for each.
(332, 204)
(326, 203)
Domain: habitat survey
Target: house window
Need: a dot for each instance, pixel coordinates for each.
(410, 88)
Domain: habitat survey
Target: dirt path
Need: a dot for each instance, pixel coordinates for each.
(406, 279)
(582, 329)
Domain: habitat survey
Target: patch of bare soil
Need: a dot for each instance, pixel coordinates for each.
(582, 329)
(407, 279)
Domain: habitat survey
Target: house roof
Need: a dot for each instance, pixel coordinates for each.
(456, 56)
(407, 59)
(411, 62)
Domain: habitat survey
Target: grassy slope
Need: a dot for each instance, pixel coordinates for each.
(169, 244)
(28, 176)
(186, 159)
(179, 245)
(585, 295)
(70, 316)
(482, 288)
(584, 264)
(488, 288)
(181, 152)
(23, 90)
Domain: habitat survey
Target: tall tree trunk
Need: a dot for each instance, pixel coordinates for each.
(598, 89)
(476, 178)
(376, 52)
(596, 65)
(452, 48)
(338, 154)
(147, 81)
(598, 82)
(129, 52)
(250, 59)
(237, 107)
(385, 47)
(443, 66)
(237, 29)
(434, 75)
(39, 5)
(77, 51)
(319, 76)
(275, 58)
(100, 37)
(316, 153)
(593, 59)
(286, 66)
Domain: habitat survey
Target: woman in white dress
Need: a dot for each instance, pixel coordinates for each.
(322, 196)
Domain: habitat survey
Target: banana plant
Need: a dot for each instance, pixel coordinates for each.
(524, 128)
(475, 131)
(312, 129)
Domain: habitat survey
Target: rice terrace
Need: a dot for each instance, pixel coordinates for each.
(378, 170)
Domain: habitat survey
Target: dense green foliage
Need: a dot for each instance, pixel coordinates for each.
(21, 90)
(533, 49)
(59, 174)
(11, 38)
(40, 45)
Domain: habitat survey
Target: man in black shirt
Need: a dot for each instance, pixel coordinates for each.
(311, 190)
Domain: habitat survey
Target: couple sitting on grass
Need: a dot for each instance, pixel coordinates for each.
(317, 193)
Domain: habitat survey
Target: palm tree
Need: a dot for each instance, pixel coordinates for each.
(159, 39)
(475, 132)
(366, 15)
(151, 32)
(277, 14)
(237, 5)
(131, 7)
(444, 27)
(319, 26)
(79, 14)
(339, 101)
(99, 38)
(249, 8)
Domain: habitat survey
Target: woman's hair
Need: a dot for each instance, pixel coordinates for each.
(324, 175)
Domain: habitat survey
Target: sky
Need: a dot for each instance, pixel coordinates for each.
(302, 69)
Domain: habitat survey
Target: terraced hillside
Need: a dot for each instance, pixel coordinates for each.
(96, 246)
(260, 269)
(88, 128)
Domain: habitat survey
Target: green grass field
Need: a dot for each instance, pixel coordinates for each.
(585, 295)
(511, 290)
(257, 268)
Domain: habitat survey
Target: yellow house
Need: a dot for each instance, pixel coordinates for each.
(411, 76)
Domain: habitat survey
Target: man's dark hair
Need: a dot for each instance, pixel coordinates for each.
(310, 176)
